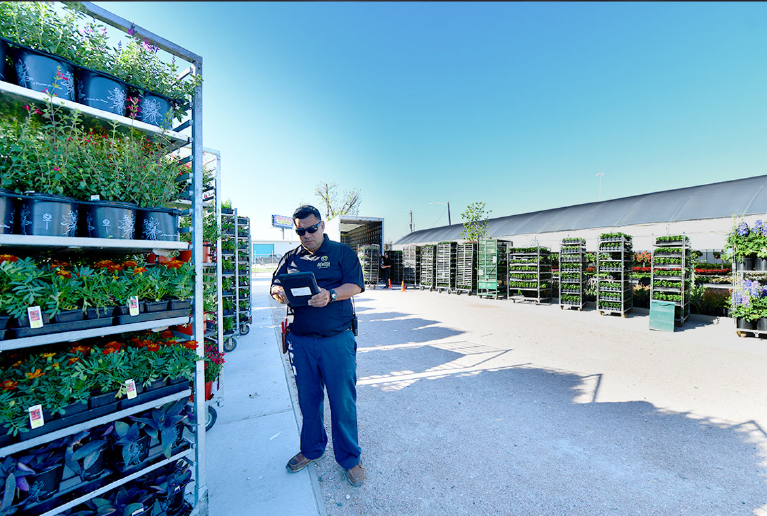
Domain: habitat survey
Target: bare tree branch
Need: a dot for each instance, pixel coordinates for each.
(349, 205)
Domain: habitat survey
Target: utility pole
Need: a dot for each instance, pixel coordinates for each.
(449, 222)
(412, 228)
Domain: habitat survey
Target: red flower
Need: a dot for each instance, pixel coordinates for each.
(103, 264)
(9, 385)
(167, 334)
(139, 270)
(129, 263)
(153, 347)
(8, 258)
(190, 344)
(64, 274)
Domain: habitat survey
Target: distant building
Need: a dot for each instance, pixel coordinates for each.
(703, 213)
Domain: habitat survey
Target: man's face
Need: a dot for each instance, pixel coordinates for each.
(311, 241)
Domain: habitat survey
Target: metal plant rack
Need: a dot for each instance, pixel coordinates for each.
(530, 274)
(680, 276)
(466, 268)
(242, 271)
(230, 296)
(614, 258)
(492, 268)
(397, 272)
(370, 259)
(445, 268)
(572, 273)
(428, 266)
(411, 265)
(187, 134)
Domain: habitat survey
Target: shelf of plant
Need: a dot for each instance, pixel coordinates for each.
(71, 430)
(614, 268)
(116, 244)
(118, 483)
(70, 336)
(17, 97)
(662, 251)
(533, 280)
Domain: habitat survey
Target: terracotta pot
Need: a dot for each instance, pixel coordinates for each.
(186, 329)
(205, 252)
(186, 256)
(208, 391)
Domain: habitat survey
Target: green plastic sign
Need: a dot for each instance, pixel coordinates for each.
(662, 315)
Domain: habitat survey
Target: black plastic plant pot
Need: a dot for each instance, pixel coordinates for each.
(157, 384)
(38, 71)
(111, 219)
(746, 264)
(96, 469)
(158, 224)
(138, 454)
(761, 324)
(69, 316)
(154, 109)
(48, 215)
(7, 211)
(102, 399)
(760, 264)
(3, 55)
(4, 321)
(156, 306)
(743, 324)
(96, 313)
(72, 409)
(101, 91)
(43, 485)
(123, 310)
(23, 321)
(177, 304)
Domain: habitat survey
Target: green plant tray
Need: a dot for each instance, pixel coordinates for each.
(85, 324)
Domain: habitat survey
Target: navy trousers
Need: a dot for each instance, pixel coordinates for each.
(329, 362)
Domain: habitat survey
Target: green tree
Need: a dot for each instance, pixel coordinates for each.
(476, 223)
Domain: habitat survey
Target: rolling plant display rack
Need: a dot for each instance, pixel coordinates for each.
(614, 260)
(229, 287)
(572, 256)
(411, 265)
(370, 259)
(243, 278)
(445, 268)
(492, 268)
(530, 274)
(192, 450)
(671, 277)
(466, 268)
(428, 266)
(397, 272)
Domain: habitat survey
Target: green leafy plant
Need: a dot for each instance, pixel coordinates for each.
(162, 423)
(476, 224)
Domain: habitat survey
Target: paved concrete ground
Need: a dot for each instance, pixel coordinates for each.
(257, 432)
(471, 406)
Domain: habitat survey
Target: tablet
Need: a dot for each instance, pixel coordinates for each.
(299, 287)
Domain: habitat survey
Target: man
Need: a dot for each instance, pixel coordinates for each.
(323, 345)
(386, 269)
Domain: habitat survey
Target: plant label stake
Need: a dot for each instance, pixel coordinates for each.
(35, 317)
(133, 306)
(130, 387)
(36, 416)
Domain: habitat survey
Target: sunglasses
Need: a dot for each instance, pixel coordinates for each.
(311, 229)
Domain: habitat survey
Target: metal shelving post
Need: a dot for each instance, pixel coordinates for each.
(572, 271)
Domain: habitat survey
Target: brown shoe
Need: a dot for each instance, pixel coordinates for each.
(356, 475)
(299, 462)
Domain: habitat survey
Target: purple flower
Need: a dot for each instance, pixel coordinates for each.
(758, 226)
(742, 229)
(747, 284)
(736, 298)
(130, 31)
(756, 289)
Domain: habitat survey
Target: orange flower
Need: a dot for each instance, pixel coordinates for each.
(114, 344)
(57, 264)
(8, 258)
(139, 270)
(63, 273)
(110, 351)
(114, 268)
(80, 349)
(17, 364)
(103, 264)
(73, 360)
(174, 264)
(167, 334)
(190, 344)
(37, 374)
(9, 385)
(129, 263)
(47, 355)
(153, 347)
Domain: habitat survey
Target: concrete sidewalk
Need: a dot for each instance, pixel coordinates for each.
(257, 432)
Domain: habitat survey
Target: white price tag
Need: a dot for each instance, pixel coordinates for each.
(35, 317)
(36, 416)
(95, 197)
(481, 272)
(130, 387)
(301, 291)
(133, 306)
(495, 259)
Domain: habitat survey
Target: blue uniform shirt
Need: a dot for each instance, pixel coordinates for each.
(333, 265)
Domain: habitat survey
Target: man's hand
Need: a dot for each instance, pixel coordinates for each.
(321, 299)
(278, 293)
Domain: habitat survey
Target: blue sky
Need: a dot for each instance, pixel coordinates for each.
(518, 105)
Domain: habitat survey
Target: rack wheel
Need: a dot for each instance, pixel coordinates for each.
(741, 333)
(431, 289)
(244, 329)
(458, 293)
(580, 309)
(211, 419)
(449, 291)
(561, 307)
(230, 344)
(421, 287)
